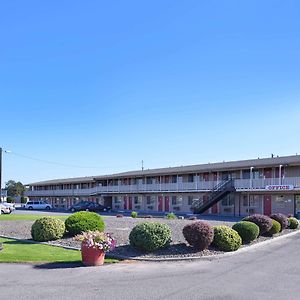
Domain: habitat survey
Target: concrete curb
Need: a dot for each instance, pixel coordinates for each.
(192, 258)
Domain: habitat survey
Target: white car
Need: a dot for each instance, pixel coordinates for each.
(38, 205)
(4, 209)
(11, 206)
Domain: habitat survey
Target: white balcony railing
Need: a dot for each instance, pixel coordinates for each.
(240, 184)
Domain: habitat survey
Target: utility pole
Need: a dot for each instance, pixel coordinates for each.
(1, 174)
(142, 165)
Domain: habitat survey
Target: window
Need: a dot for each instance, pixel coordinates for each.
(136, 200)
(190, 200)
(149, 180)
(228, 201)
(148, 198)
(254, 200)
(174, 200)
(246, 174)
(117, 199)
(190, 178)
(256, 174)
(174, 179)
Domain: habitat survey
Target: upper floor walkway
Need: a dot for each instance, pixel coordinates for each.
(266, 184)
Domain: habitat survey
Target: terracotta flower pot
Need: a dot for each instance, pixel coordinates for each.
(92, 256)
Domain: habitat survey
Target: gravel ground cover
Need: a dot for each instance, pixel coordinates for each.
(120, 229)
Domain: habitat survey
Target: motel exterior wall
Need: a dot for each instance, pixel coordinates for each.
(270, 188)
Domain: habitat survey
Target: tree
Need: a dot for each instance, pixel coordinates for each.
(14, 188)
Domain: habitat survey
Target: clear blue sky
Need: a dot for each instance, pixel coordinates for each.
(105, 84)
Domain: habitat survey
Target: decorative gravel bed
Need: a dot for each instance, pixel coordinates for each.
(120, 229)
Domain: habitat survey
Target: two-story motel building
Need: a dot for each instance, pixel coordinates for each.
(266, 185)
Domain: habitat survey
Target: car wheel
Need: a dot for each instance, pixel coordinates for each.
(30, 208)
(48, 208)
(72, 209)
(104, 209)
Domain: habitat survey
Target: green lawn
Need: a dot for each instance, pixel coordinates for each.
(28, 217)
(17, 251)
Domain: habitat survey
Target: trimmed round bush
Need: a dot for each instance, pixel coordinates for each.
(282, 219)
(150, 236)
(263, 222)
(293, 223)
(134, 214)
(248, 231)
(198, 234)
(47, 229)
(84, 221)
(276, 227)
(226, 239)
(171, 216)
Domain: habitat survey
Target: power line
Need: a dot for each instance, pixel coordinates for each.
(59, 163)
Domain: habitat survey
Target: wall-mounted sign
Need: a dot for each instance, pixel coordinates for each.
(287, 187)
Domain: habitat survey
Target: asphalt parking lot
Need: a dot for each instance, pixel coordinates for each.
(268, 272)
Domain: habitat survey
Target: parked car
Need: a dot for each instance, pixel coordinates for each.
(4, 209)
(37, 205)
(89, 206)
(11, 206)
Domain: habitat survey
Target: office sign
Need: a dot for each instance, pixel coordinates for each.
(287, 187)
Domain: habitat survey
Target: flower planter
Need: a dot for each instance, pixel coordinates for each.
(92, 256)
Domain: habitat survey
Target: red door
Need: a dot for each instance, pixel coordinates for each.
(125, 202)
(130, 203)
(206, 176)
(167, 203)
(214, 209)
(267, 205)
(268, 173)
(205, 200)
(160, 203)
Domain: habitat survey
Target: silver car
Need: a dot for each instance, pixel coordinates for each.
(37, 205)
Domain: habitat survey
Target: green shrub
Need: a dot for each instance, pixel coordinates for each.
(10, 199)
(171, 216)
(226, 239)
(282, 219)
(134, 214)
(84, 221)
(276, 227)
(198, 234)
(293, 223)
(150, 236)
(23, 200)
(47, 229)
(248, 231)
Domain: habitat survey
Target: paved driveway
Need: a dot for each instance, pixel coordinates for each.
(269, 272)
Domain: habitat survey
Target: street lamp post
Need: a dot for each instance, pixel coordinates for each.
(1, 152)
(1, 174)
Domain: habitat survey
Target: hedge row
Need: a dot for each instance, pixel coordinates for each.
(200, 235)
(152, 236)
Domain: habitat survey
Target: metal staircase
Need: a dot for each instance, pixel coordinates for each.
(220, 191)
